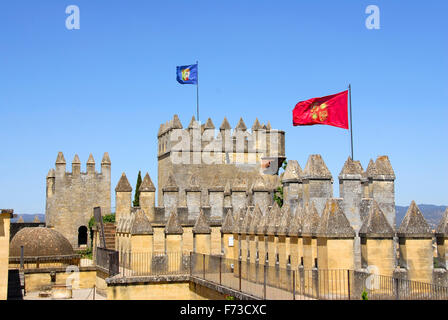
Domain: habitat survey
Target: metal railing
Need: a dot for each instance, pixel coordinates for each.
(269, 280)
(43, 262)
(107, 260)
(153, 263)
(272, 282)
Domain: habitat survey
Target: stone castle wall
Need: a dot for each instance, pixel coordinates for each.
(220, 154)
(71, 196)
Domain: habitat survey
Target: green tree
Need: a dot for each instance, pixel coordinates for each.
(278, 194)
(137, 192)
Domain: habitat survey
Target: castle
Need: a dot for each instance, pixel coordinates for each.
(70, 197)
(216, 196)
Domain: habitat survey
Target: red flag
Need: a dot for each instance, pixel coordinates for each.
(330, 110)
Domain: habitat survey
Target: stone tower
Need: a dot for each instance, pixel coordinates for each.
(71, 197)
(203, 151)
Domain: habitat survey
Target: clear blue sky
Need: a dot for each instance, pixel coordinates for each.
(109, 85)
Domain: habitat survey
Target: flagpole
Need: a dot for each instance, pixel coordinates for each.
(197, 89)
(351, 123)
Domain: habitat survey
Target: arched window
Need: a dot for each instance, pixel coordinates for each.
(82, 236)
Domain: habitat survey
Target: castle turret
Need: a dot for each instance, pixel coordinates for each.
(142, 233)
(227, 195)
(292, 185)
(381, 180)
(90, 165)
(105, 165)
(239, 188)
(415, 245)
(310, 223)
(50, 183)
(260, 231)
(170, 195)
(377, 242)
(60, 165)
(123, 195)
(317, 182)
(441, 237)
(350, 190)
(216, 197)
(335, 238)
(173, 234)
(202, 235)
(193, 196)
(261, 193)
(76, 166)
(226, 236)
(148, 197)
(295, 238)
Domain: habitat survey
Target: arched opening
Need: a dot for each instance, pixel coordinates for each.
(82, 236)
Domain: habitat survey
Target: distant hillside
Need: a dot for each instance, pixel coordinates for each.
(29, 217)
(432, 213)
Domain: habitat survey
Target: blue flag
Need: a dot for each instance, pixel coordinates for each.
(187, 74)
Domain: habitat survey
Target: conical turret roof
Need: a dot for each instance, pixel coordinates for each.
(316, 168)
(293, 172)
(209, 124)
(76, 160)
(351, 170)
(241, 125)
(90, 160)
(141, 224)
(201, 226)
(334, 223)
(375, 224)
(106, 159)
(442, 228)
(227, 225)
(173, 226)
(147, 185)
(60, 159)
(176, 124)
(225, 125)
(310, 221)
(171, 184)
(414, 224)
(256, 126)
(123, 184)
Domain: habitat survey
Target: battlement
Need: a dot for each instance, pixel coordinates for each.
(197, 137)
(61, 170)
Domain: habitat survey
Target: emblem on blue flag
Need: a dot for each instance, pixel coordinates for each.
(187, 74)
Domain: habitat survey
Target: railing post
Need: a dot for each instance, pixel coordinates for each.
(21, 258)
(264, 280)
(220, 267)
(348, 283)
(293, 285)
(191, 263)
(239, 273)
(203, 265)
(396, 280)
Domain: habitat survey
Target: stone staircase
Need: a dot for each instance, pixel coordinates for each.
(109, 234)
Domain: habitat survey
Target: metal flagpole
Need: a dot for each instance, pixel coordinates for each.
(351, 123)
(197, 89)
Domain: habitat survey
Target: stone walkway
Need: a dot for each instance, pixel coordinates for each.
(78, 294)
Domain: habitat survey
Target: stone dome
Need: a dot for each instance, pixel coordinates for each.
(40, 242)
